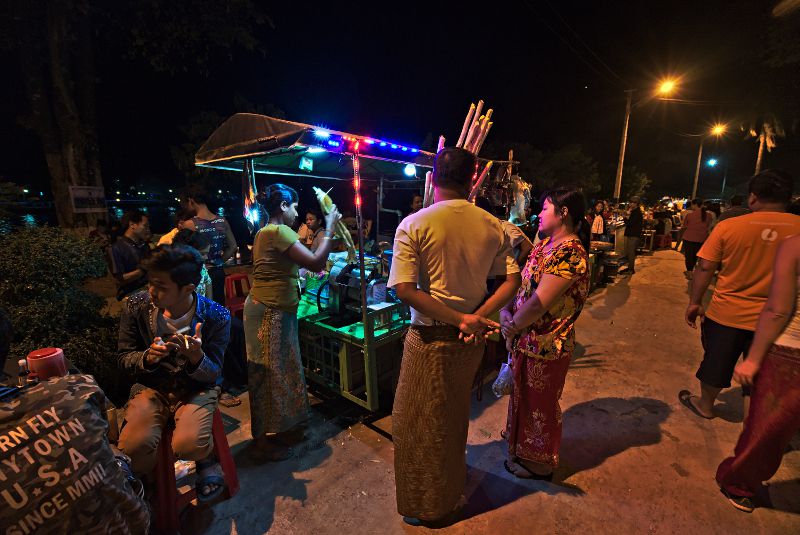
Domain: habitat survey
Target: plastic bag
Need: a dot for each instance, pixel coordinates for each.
(502, 385)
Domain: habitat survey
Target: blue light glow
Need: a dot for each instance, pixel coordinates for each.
(315, 150)
(334, 143)
(324, 134)
(405, 149)
(383, 143)
(414, 150)
(712, 162)
(394, 146)
(410, 170)
(370, 141)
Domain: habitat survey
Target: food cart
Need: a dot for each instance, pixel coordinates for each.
(350, 326)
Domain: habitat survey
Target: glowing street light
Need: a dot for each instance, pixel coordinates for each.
(667, 87)
(712, 162)
(717, 130)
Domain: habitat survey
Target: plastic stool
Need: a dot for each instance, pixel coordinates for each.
(235, 294)
(168, 501)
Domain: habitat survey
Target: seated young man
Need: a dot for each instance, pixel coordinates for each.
(172, 342)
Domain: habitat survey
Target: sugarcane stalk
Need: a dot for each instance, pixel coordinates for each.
(427, 198)
(478, 111)
(482, 139)
(340, 230)
(476, 188)
(465, 128)
(473, 132)
(476, 135)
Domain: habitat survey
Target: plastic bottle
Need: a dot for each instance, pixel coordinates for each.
(24, 372)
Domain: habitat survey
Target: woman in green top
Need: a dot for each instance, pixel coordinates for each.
(278, 397)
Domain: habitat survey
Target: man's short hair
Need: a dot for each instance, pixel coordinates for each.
(454, 168)
(132, 216)
(316, 212)
(196, 192)
(191, 238)
(183, 263)
(184, 214)
(773, 186)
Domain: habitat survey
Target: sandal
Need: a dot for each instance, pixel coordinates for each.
(685, 398)
(529, 474)
(209, 473)
(227, 400)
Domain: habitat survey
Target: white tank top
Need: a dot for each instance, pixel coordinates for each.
(791, 335)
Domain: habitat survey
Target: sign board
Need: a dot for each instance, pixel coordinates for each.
(88, 199)
(306, 164)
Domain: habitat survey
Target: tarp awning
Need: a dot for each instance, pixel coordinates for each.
(281, 147)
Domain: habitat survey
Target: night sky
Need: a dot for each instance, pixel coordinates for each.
(555, 73)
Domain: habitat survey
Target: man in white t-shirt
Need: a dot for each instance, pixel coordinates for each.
(443, 256)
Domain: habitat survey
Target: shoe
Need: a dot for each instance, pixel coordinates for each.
(742, 503)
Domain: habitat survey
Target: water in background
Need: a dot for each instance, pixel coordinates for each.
(162, 218)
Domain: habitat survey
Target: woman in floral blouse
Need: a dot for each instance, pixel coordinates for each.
(539, 326)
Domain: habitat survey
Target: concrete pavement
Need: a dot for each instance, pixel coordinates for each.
(633, 459)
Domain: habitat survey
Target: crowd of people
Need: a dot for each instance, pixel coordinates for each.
(179, 343)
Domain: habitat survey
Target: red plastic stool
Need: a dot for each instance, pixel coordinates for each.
(169, 502)
(237, 286)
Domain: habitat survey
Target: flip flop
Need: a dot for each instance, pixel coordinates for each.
(530, 475)
(227, 400)
(206, 480)
(685, 397)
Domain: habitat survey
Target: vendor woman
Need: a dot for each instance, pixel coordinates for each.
(278, 397)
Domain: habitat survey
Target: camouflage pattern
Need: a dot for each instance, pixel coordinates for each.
(57, 471)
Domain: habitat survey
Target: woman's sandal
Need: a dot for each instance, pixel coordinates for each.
(528, 474)
(209, 474)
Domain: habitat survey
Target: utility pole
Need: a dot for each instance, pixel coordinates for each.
(697, 170)
(724, 180)
(623, 143)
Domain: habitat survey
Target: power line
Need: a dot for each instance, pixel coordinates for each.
(586, 46)
(569, 45)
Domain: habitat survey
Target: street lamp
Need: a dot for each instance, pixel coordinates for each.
(665, 88)
(717, 130)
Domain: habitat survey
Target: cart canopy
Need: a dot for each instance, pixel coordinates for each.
(277, 146)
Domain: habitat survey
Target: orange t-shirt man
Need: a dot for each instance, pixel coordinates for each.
(745, 247)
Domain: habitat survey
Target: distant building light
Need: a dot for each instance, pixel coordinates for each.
(25, 191)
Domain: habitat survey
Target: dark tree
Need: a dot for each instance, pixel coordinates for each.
(61, 46)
